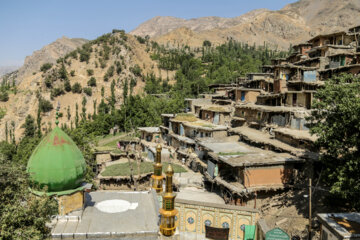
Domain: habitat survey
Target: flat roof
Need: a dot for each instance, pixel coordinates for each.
(149, 129)
(297, 134)
(346, 225)
(182, 138)
(271, 108)
(205, 125)
(112, 215)
(238, 154)
(216, 108)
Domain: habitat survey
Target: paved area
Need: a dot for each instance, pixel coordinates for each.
(114, 215)
(195, 194)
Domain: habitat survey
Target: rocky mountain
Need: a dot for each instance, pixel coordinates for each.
(294, 23)
(115, 57)
(48, 54)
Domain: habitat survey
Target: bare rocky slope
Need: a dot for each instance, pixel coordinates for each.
(294, 23)
(48, 54)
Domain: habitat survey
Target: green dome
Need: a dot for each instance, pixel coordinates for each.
(56, 163)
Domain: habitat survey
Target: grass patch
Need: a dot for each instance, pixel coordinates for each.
(123, 169)
(185, 117)
(117, 151)
(231, 153)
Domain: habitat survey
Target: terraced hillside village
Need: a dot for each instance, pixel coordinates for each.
(247, 126)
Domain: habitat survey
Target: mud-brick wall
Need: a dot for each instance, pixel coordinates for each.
(300, 101)
(267, 175)
(207, 115)
(71, 202)
(250, 115)
(250, 96)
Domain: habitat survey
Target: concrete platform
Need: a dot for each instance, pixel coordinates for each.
(112, 215)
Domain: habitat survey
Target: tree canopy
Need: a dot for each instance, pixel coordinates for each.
(336, 120)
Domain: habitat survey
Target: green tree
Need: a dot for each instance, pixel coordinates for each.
(29, 126)
(336, 120)
(83, 109)
(67, 86)
(76, 115)
(68, 113)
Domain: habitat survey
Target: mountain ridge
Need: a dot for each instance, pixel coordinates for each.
(294, 23)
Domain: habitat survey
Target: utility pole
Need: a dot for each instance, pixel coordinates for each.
(310, 206)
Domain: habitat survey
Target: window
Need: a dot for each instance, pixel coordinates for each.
(324, 235)
(259, 115)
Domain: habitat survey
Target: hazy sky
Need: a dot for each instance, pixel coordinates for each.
(28, 25)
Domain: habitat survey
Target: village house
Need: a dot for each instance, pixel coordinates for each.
(258, 116)
(149, 134)
(242, 172)
(216, 114)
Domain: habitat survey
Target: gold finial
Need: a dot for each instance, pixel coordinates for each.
(157, 177)
(169, 170)
(168, 211)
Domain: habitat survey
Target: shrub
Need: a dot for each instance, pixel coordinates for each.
(88, 91)
(48, 82)
(140, 39)
(4, 96)
(136, 70)
(45, 67)
(45, 105)
(72, 73)
(76, 88)
(90, 72)
(56, 92)
(92, 82)
(110, 71)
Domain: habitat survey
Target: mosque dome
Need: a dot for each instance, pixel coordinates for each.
(56, 164)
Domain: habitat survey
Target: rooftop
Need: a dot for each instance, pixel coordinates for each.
(205, 125)
(297, 134)
(216, 108)
(239, 154)
(149, 129)
(270, 108)
(112, 215)
(346, 225)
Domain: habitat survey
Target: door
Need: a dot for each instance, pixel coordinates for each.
(342, 61)
(294, 98)
(308, 100)
(242, 96)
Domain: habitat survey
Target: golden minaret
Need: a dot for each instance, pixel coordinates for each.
(157, 177)
(168, 211)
